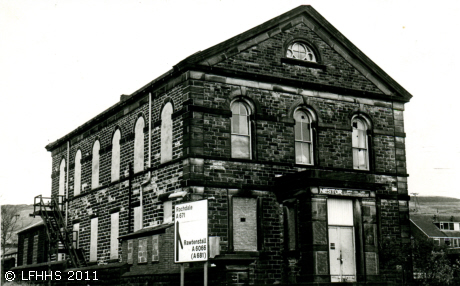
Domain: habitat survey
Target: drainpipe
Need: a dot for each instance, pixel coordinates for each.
(67, 185)
(147, 180)
(130, 177)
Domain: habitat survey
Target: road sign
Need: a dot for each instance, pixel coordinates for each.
(191, 232)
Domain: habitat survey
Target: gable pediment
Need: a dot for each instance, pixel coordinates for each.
(262, 50)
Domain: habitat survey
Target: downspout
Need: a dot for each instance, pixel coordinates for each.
(67, 185)
(147, 180)
(130, 209)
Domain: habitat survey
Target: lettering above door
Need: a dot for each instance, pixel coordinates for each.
(344, 192)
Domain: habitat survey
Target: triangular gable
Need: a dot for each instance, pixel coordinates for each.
(425, 224)
(309, 17)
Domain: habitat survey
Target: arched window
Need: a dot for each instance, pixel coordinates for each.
(139, 145)
(166, 133)
(360, 144)
(115, 174)
(62, 178)
(95, 165)
(303, 138)
(300, 51)
(77, 174)
(241, 130)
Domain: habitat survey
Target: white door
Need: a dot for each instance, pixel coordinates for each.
(342, 254)
(341, 240)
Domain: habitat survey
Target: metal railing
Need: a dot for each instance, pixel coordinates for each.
(51, 209)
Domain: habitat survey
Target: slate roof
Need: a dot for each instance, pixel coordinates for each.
(426, 225)
(37, 224)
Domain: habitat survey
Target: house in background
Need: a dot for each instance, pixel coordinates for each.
(293, 136)
(20, 221)
(442, 230)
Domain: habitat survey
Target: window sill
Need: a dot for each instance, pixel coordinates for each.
(300, 165)
(244, 255)
(362, 170)
(303, 63)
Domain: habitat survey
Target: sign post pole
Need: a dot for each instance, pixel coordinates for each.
(206, 273)
(182, 274)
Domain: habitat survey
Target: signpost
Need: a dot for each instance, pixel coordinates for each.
(191, 234)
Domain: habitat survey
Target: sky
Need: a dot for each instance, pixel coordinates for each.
(64, 62)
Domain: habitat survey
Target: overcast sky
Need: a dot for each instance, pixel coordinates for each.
(64, 62)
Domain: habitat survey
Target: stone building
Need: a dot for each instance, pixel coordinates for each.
(291, 133)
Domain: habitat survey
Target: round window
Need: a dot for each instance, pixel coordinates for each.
(300, 51)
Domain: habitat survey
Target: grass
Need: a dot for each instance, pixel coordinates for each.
(435, 206)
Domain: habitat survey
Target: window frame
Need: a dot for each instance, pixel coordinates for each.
(155, 243)
(142, 254)
(130, 251)
(76, 235)
(166, 148)
(137, 218)
(139, 145)
(35, 249)
(62, 177)
(25, 250)
(77, 173)
(95, 164)
(366, 131)
(168, 211)
(259, 223)
(116, 152)
(308, 51)
(94, 235)
(250, 111)
(312, 118)
(114, 233)
(290, 209)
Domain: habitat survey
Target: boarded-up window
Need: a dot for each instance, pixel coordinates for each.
(241, 131)
(166, 133)
(139, 145)
(303, 138)
(156, 248)
(62, 177)
(93, 240)
(167, 211)
(115, 174)
(142, 250)
(76, 234)
(77, 174)
(114, 226)
(35, 250)
(130, 251)
(340, 212)
(95, 165)
(137, 218)
(360, 144)
(244, 224)
(291, 226)
(25, 251)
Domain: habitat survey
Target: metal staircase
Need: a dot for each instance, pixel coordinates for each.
(51, 209)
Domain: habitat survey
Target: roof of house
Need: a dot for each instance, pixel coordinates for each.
(34, 225)
(254, 36)
(427, 226)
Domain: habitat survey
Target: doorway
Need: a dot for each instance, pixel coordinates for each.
(342, 260)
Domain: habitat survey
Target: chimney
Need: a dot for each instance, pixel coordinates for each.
(124, 97)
